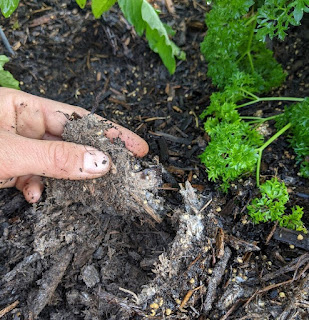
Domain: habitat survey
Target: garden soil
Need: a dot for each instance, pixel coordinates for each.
(153, 238)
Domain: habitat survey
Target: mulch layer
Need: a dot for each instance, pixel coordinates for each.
(161, 241)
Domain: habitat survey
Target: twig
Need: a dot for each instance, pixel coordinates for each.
(275, 285)
(205, 206)
(123, 103)
(147, 208)
(187, 298)
(273, 229)
(232, 309)
(133, 294)
(295, 264)
(218, 272)
(7, 309)
(239, 243)
(21, 265)
(6, 43)
(171, 137)
(170, 6)
(98, 97)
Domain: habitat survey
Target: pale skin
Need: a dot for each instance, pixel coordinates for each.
(31, 144)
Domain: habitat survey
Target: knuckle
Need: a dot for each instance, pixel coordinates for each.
(60, 156)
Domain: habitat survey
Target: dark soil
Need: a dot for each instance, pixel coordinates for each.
(142, 242)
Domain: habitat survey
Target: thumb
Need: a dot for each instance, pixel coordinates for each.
(21, 156)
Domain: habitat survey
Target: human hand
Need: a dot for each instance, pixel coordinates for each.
(31, 146)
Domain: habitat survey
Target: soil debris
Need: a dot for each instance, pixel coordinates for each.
(126, 190)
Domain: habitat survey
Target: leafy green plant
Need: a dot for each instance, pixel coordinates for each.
(141, 15)
(241, 66)
(275, 17)
(230, 47)
(6, 78)
(232, 151)
(236, 146)
(145, 19)
(297, 116)
(98, 7)
(8, 7)
(271, 206)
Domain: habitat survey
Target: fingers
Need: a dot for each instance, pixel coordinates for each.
(37, 116)
(22, 156)
(31, 186)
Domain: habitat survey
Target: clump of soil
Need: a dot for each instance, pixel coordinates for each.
(126, 190)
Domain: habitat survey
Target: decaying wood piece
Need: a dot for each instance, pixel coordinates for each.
(296, 238)
(49, 283)
(215, 280)
(182, 270)
(20, 266)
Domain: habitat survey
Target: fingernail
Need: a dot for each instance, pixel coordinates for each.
(95, 162)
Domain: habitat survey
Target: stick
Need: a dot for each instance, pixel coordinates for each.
(6, 43)
(50, 281)
(7, 309)
(218, 272)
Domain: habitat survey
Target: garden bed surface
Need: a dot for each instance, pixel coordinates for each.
(175, 247)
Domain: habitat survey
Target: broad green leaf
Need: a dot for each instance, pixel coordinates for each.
(81, 3)
(8, 7)
(151, 17)
(145, 18)
(6, 79)
(3, 61)
(170, 31)
(158, 45)
(100, 6)
(132, 10)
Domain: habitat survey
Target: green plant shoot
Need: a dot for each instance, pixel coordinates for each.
(271, 207)
(6, 78)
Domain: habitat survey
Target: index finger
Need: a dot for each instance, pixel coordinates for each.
(55, 116)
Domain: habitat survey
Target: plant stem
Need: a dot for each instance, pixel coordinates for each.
(271, 99)
(265, 145)
(248, 50)
(250, 94)
(249, 46)
(259, 119)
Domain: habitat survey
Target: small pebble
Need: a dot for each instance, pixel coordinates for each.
(168, 312)
(300, 237)
(240, 260)
(154, 305)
